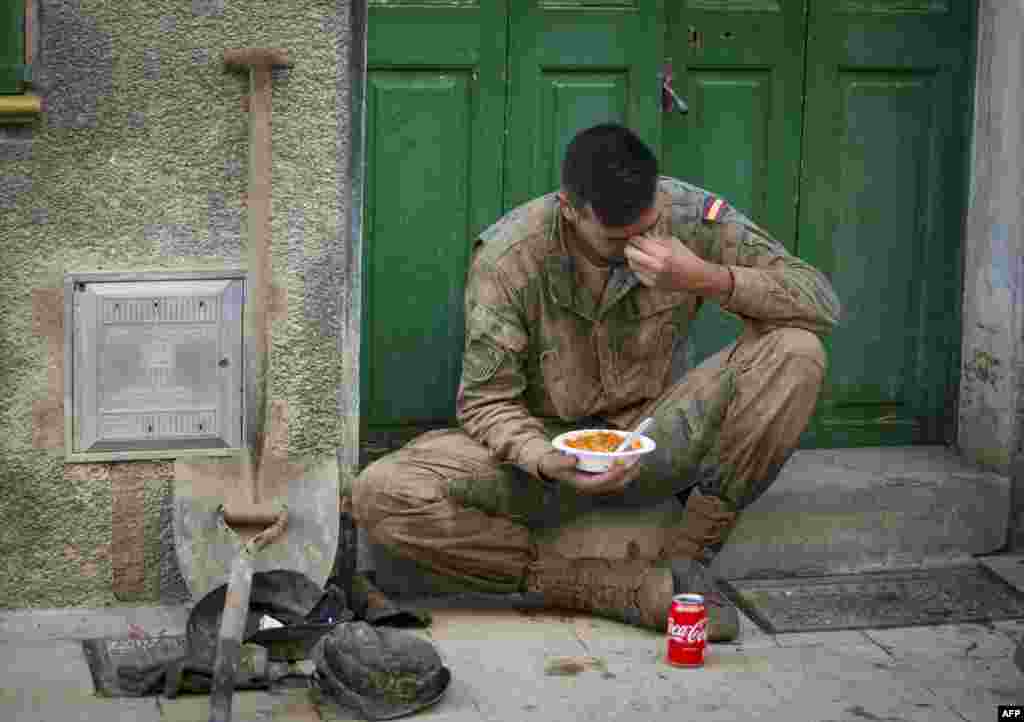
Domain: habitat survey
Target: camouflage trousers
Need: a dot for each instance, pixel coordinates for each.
(727, 427)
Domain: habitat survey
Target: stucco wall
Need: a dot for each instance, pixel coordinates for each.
(992, 382)
(140, 163)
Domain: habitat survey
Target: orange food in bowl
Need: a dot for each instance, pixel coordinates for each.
(606, 441)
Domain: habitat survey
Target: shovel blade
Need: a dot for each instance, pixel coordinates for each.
(206, 549)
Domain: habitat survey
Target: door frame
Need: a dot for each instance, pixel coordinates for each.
(350, 308)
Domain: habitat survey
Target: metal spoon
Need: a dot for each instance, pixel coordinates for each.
(640, 428)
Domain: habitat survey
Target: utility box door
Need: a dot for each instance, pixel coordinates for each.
(158, 365)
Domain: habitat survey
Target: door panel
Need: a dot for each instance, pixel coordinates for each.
(883, 171)
(573, 65)
(740, 103)
(882, 210)
(420, 120)
(739, 66)
(566, 99)
(433, 181)
(12, 49)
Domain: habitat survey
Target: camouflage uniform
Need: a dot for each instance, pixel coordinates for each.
(543, 356)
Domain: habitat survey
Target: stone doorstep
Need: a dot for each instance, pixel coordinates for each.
(831, 511)
(836, 511)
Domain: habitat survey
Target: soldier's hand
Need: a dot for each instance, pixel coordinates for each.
(562, 467)
(665, 262)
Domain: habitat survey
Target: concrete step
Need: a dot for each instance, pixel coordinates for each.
(836, 511)
(831, 511)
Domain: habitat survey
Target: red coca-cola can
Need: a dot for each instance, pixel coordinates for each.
(687, 630)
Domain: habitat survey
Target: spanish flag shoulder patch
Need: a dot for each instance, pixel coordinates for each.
(714, 208)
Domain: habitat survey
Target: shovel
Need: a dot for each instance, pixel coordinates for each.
(289, 514)
(273, 517)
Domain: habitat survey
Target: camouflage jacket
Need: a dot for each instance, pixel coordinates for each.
(538, 346)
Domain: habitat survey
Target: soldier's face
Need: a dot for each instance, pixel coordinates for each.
(607, 242)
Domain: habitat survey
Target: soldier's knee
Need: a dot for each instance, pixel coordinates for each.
(801, 343)
(391, 486)
(368, 479)
(364, 488)
(371, 490)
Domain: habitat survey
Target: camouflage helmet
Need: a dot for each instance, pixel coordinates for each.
(383, 673)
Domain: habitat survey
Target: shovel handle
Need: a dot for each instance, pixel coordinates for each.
(232, 621)
(229, 640)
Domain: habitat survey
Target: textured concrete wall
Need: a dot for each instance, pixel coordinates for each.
(140, 163)
(992, 383)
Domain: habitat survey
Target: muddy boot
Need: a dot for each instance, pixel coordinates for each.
(707, 523)
(690, 576)
(634, 592)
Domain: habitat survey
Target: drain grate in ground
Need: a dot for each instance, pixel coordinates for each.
(947, 595)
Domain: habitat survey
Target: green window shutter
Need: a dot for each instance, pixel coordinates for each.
(12, 46)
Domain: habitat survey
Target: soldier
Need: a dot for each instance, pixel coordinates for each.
(578, 306)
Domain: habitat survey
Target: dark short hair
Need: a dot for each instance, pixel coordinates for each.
(610, 168)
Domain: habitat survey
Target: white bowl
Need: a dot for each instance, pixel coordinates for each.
(601, 461)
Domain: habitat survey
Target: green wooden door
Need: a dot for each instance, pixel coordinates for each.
(882, 207)
(573, 64)
(12, 46)
(839, 125)
(435, 109)
(739, 66)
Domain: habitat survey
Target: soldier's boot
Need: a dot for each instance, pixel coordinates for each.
(707, 523)
(635, 592)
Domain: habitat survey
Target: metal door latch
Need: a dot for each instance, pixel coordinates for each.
(695, 38)
(670, 100)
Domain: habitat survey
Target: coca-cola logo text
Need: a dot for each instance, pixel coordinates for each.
(689, 633)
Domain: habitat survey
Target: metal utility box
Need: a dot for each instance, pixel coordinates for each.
(154, 365)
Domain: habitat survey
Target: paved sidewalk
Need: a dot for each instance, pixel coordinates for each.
(499, 658)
